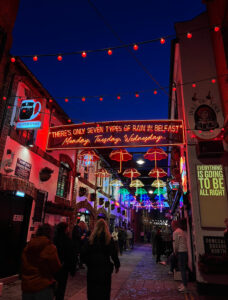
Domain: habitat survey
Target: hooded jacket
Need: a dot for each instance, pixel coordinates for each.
(39, 264)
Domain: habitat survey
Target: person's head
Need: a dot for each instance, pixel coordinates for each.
(61, 228)
(44, 230)
(226, 222)
(101, 228)
(174, 225)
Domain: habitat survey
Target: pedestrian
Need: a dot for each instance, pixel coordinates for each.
(181, 250)
(40, 262)
(121, 237)
(226, 234)
(79, 236)
(97, 253)
(67, 257)
(148, 235)
(158, 244)
(142, 236)
(115, 238)
(132, 239)
(129, 238)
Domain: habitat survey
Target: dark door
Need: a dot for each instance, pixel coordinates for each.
(14, 221)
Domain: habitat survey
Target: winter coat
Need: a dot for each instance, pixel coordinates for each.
(39, 264)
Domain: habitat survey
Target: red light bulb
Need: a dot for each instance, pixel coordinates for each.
(35, 58)
(69, 120)
(98, 125)
(50, 100)
(213, 80)
(4, 98)
(23, 110)
(13, 59)
(155, 92)
(174, 88)
(162, 41)
(137, 95)
(189, 35)
(109, 52)
(9, 106)
(59, 58)
(66, 100)
(216, 28)
(118, 97)
(193, 85)
(83, 99)
(84, 54)
(83, 123)
(101, 99)
(135, 47)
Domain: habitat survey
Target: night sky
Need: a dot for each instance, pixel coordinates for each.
(72, 25)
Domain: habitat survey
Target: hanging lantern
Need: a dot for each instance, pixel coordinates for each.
(120, 155)
(88, 157)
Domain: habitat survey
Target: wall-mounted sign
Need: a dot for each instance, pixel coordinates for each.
(23, 169)
(205, 117)
(117, 134)
(31, 114)
(212, 195)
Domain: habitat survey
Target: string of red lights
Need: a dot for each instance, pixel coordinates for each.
(109, 50)
(119, 96)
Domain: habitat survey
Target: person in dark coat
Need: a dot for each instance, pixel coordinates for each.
(158, 244)
(79, 237)
(96, 254)
(67, 257)
(121, 237)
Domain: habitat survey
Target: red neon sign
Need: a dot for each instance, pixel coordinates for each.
(116, 134)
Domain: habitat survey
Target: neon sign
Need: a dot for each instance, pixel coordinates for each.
(116, 134)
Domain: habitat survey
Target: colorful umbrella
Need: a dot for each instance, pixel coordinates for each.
(160, 191)
(124, 191)
(136, 183)
(88, 157)
(157, 173)
(158, 183)
(155, 154)
(102, 173)
(140, 191)
(116, 183)
(120, 155)
(131, 173)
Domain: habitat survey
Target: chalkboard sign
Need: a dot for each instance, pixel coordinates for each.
(214, 245)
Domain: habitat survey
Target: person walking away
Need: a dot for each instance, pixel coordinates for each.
(158, 244)
(142, 236)
(96, 254)
(121, 236)
(67, 257)
(115, 238)
(148, 235)
(40, 262)
(79, 236)
(226, 234)
(132, 239)
(180, 248)
(129, 237)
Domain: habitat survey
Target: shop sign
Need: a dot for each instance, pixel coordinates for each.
(117, 134)
(205, 117)
(18, 218)
(212, 195)
(23, 169)
(31, 113)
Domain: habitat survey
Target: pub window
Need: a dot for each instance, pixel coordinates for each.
(27, 136)
(63, 180)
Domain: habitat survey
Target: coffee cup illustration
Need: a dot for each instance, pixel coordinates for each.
(29, 110)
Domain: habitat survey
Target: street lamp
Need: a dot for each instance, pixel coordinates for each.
(140, 161)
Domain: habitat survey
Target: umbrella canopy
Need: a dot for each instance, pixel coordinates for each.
(131, 173)
(102, 173)
(157, 173)
(136, 183)
(155, 154)
(120, 155)
(88, 157)
(159, 192)
(124, 191)
(158, 183)
(140, 191)
(116, 183)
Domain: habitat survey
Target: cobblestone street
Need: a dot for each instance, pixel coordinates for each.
(139, 278)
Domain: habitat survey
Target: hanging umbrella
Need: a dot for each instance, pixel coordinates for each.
(158, 183)
(116, 183)
(120, 155)
(160, 191)
(136, 183)
(140, 191)
(102, 173)
(88, 157)
(124, 191)
(131, 173)
(155, 154)
(157, 173)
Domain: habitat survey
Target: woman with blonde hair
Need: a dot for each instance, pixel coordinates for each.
(96, 254)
